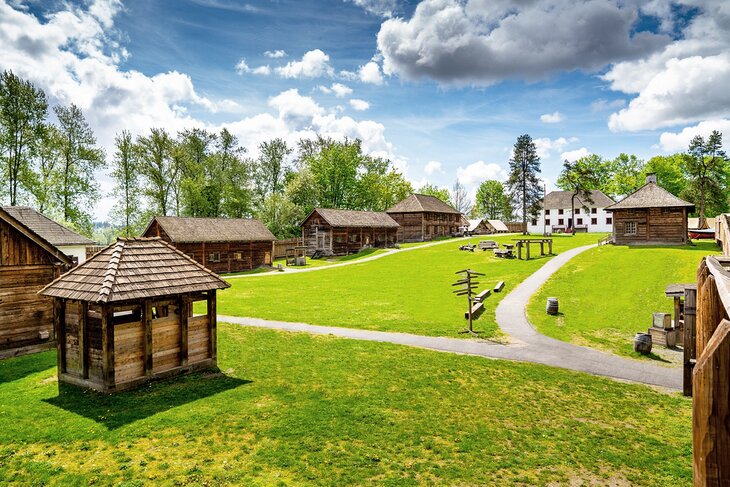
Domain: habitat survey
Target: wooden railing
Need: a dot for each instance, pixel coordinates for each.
(722, 233)
(711, 375)
(605, 240)
(280, 246)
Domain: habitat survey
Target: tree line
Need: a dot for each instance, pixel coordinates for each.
(52, 165)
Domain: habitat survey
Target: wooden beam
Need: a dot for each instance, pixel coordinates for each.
(690, 315)
(84, 339)
(147, 330)
(212, 326)
(183, 305)
(59, 323)
(107, 344)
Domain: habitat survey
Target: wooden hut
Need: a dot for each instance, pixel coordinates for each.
(650, 215)
(64, 239)
(27, 263)
(341, 232)
(497, 226)
(423, 217)
(126, 316)
(478, 227)
(223, 245)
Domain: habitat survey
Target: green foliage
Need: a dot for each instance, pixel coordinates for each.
(125, 173)
(201, 182)
(271, 170)
(579, 178)
(707, 170)
(44, 180)
(297, 409)
(624, 175)
(281, 216)
(433, 190)
(80, 158)
(669, 173)
(237, 194)
(492, 202)
(23, 110)
(159, 169)
(523, 182)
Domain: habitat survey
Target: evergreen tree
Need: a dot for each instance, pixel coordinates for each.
(706, 168)
(523, 182)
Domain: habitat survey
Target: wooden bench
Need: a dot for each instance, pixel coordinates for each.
(488, 245)
(503, 253)
(499, 287)
(468, 248)
(478, 305)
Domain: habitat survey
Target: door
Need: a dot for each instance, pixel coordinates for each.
(267, 258)
(320, 241)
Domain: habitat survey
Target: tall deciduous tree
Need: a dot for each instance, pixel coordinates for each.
(706, 168)
(433, 190)
(271, 167)
(492, 202)
(236, 180)
(334, 167)
(23, 110)
(459, 198)
(125, 172)
(669, 173)
(201, 185)
(44, 178)
(624, 175)
(159, 168)
(80, 157)
(579, 178)
(523, 182)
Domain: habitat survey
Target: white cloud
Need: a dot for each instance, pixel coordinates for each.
(574, 155)
(601, 104)
(314, 64)
(480, 171)
(679, 141)
(382, 8)
(359, 105)
(370, 73)
(432, 167)
(339, 90)
(545, 146)
(242, 68)
(481, 42)
(279, 53)
(554, 117)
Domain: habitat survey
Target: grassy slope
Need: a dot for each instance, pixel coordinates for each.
(608, 294)
(298, 409)
(407, 292)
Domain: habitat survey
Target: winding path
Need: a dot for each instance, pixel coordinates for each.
(529, 346)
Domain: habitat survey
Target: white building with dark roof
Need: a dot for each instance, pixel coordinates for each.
(556, 214)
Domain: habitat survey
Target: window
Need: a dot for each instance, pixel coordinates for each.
(547, 212)
(609, 221)
(354, 237)
(594, 221)
(594, 211)
(238, 256)
(579, 221)
(561, 221)
(577, 210)
(630, 228)
(547, 221)
(534, 222)
(560, 212)
(214, 257)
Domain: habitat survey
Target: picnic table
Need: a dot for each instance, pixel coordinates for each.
(527, 242)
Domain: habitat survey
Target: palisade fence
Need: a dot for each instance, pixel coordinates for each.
(280, 246)
(711, 375)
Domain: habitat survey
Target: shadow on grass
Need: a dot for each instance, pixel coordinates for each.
(17, 368)
(116, 410)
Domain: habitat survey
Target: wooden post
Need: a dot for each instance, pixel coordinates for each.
(528, 250)
(147, 329)
(690, 312)
(710, 315)
(212, 326)
(59, 323)
(711, 410)
(550, 246)
(84, 339)
(107, 344)
(183, 303)
(542, 248)
(519, 250)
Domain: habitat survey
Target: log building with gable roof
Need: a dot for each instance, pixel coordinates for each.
(342, 232)
(424, 217)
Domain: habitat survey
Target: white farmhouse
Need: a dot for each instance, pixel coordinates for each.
(556, 216)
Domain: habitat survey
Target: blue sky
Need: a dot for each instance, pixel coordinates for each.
(442, 87)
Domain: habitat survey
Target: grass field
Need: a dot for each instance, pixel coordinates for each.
(608, 294)
(406, 292)
(292, 409)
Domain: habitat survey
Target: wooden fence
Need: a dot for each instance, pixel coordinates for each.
(280, 246)
(711, 375)
(93, 249)
(722, 232)
(516, 227)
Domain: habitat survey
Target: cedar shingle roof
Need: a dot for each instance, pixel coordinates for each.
(352, 218)
(417, 203)
(133, 269)
(556, 200)
(54, 233)
(651, 195)
(191, 230)
(498, 225)
(31, 235)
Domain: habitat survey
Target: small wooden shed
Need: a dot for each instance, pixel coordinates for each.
(424, 217)
(126, 316)
(341, 232)
(650, 215)
(27, 263)
(223, 245)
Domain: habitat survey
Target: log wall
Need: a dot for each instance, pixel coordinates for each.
(421, 226)
(653, 226)
(319, 235)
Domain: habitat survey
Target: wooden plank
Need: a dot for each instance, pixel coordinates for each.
(183, 310)
(690, 312)
(498, 288)
(83, 340)
(212, 325)
(59, 322)
(711, 411)
(107, 345)
(147, 330)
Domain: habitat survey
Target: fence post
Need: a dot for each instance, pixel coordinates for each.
(690, 314)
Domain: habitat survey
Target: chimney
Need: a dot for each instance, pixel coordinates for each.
(651, 178)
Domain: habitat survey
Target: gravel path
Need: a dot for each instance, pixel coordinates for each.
(528, 345)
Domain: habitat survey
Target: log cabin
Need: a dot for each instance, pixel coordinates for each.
(424, 217)
(651, 215)
(223, 245)
(27, 263)
(64, 239)
(342, 232)
(126, 316)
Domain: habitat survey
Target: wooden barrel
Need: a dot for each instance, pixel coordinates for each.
(552, 306)
(642, 343)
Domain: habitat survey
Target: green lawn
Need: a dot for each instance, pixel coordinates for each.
(608, 294)
(292, 409)
(408, 292)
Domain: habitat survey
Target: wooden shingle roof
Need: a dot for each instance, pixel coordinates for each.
(133, 269)
(353, 218)
(556, 200)
(53, 232)
(192, 230)
(33, 236)
(651, 195)
(417, 203)
(498, 225)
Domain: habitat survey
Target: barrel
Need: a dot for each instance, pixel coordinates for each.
(642, 343)
(552, 306)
